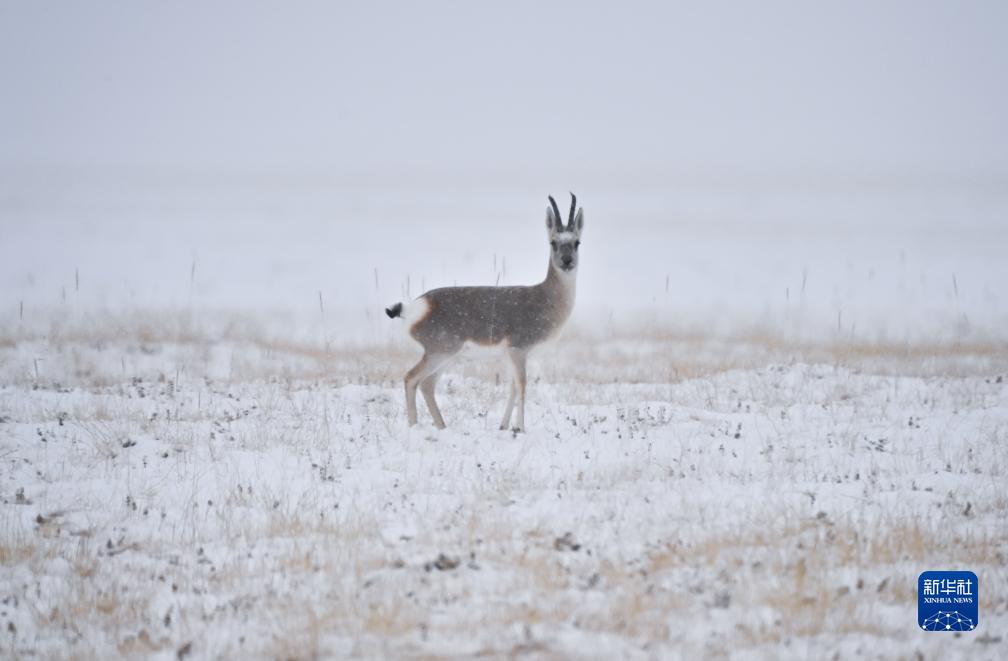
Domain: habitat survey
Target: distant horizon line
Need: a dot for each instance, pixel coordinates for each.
(648, 177)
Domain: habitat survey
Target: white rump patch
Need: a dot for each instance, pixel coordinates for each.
(414, 311)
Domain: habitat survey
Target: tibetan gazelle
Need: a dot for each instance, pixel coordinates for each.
(516, 319)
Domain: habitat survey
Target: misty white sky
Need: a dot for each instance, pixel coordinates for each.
(634, 92)
(806, 167)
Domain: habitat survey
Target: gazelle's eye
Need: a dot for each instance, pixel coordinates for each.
(577, 244)
(553, 243)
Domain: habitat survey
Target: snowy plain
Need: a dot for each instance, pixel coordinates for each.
(772, 410)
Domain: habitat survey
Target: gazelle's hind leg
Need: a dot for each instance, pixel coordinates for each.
(518, 357)
(427, 389)
(428, 365)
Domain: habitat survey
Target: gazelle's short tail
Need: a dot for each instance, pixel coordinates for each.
(411, 313)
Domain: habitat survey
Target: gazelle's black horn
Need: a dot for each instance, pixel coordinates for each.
(570, 221)
(556, 214)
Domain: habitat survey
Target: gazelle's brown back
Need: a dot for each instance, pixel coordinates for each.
(519, 317)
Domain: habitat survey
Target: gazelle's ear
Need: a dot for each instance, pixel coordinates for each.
(550, 222)
(579, 220)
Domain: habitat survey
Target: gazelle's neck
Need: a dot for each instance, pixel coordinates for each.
(561, 284)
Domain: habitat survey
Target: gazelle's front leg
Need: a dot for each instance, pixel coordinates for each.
(518, 357)
(510, 405)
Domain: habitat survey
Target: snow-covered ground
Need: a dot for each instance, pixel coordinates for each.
(771, 412)
(167, 490)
